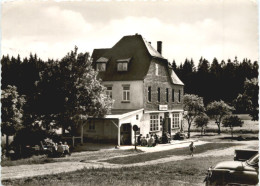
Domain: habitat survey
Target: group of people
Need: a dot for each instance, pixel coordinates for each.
(150, 142)
(153, 141)
(57, 148)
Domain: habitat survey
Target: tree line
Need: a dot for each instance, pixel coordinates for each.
(218, 80)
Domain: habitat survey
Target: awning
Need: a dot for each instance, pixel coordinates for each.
(122, 113)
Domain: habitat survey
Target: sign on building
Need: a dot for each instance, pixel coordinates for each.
(163, 107)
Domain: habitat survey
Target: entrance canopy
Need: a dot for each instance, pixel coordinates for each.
(123, 116)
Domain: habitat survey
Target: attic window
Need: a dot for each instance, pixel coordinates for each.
(101, 67)
(122, 64)
(101, 64)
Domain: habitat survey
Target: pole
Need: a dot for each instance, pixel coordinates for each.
(118, 134)
(135, 140)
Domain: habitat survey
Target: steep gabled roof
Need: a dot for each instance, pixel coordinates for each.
(138, 53)
(129, 47)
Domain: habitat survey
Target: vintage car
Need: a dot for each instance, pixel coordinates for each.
(244, 154)
(234, 173)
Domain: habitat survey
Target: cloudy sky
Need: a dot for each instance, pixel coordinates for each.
(187, 28)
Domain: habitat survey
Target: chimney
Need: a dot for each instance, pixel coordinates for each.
(159, 46)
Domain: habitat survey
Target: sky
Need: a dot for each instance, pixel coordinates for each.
(188, 28)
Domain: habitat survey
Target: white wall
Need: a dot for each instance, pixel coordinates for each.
(136, 94)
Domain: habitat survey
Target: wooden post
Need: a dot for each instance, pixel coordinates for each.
(118, 134)
(72, 141)
(118, 131)
(135, 140)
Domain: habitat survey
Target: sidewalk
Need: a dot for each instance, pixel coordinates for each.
(161, 147)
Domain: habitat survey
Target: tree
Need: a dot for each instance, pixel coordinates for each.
(79, 91)
(201, 121)
(203, 80)
(218, 110)
(231, 122)
(242, 103)
(193, 105)
(12, 111)
(251, 92)
(174, 66)
(248, 101)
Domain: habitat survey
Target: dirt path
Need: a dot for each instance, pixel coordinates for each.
(22, 171)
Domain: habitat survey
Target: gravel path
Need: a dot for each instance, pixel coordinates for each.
(22, 171)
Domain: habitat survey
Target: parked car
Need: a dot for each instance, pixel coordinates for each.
(244, 154)
(234, 173)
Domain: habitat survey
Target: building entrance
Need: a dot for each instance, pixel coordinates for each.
(126, 133)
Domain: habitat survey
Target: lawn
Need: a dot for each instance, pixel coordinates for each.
(143, 157)
(184, 173)
(248, 126)
(41, 159)
(87, 155)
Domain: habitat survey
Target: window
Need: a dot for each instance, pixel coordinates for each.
(149, 94)
(159, 94)
(156, 69)
(172, 95)
(91, 125)
(179, 95)
(101, 67)
(167, 94)
(154, 122)
(121, 66)
(175, 121)
(126, 93)
(109, 91)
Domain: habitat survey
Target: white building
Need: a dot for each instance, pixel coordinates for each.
(145, 89)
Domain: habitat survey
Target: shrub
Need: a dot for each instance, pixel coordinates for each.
(232, 121)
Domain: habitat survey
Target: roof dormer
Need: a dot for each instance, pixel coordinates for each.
(101, 64)
(122, 64)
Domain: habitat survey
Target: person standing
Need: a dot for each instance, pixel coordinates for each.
(192, 147)
(156, 139)
(122, 139)
(139, 139)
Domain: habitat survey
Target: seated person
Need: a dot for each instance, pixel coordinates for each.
(143, 141)
(151, 142)
(60, 149)
(66, 148)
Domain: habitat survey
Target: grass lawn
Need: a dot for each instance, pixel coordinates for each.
(248, 126)
(88, 155)
(187, 172)
(163, 154)
(41, 159)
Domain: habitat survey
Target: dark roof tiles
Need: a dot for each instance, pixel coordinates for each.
(135, 50)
